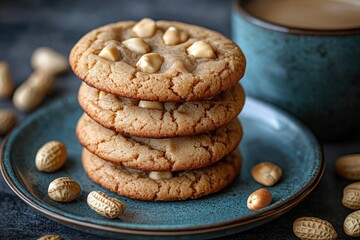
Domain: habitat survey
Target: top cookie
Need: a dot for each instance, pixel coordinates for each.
(157, 61)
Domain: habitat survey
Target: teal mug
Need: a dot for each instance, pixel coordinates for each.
(314, 74)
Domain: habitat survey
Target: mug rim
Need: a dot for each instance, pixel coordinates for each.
(286, 29)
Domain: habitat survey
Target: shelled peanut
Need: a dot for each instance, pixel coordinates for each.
(266, 173)
(259, 199)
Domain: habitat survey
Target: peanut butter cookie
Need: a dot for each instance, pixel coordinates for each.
(158, 61)
(167, 154)
(160, 120)
(155, 186)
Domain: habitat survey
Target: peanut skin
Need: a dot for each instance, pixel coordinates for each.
(259, 199)
(266, 173)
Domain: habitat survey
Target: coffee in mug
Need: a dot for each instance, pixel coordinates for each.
(304, 56)
(308, 14)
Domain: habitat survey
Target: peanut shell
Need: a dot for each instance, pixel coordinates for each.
(351, 196)
(48, 60)
(6, 82)
(314, 228)
(27, 98)
(41, 81)
(50, 237)
(64, 189)
(105, 205)
(7, 120)
(51, 157)
(348, 166)
(352, 224)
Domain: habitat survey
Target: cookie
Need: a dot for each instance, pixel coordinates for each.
(202, 65)
(177, 119)
(182, 185)
(167, 154)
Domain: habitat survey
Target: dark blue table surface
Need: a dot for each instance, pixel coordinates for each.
(25, 25)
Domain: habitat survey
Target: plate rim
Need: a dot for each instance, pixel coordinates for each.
(201, 229)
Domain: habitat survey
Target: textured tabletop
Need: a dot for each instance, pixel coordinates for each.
(25, 25)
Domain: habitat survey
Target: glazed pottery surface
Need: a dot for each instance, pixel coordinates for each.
(269, 135)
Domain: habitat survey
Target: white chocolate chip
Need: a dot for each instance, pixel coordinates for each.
(160, 175)
(150, 62)
(137, 45)
(149, 104)
(133, 171)
(201, 49)
(103, 94)
(145, 28)
(110, 53)
(128, 101)
(173, 36)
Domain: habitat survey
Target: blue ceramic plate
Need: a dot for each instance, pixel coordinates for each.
(269, 135)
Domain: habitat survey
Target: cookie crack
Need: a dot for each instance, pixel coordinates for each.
(97, 168)
(171, 82)
(209, 150)
(197, 123)
(193, 183)
(196, 81)
(156, 193)
(174, 120)
(170, 162)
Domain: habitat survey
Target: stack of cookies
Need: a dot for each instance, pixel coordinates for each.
(161, 101)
